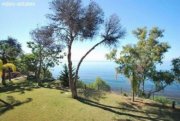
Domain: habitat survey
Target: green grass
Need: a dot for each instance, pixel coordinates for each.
(30, 103)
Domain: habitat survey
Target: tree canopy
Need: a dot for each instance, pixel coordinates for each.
(138, 61)
(45, 49)
(74, 22)
(9, 50)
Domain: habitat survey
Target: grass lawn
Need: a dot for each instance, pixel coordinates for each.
(21, 102)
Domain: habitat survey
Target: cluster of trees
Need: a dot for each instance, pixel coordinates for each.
(138, 62)
(45, 54)
(10, 49)
(70, 22)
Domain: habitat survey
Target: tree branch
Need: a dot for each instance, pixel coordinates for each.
(83, 57)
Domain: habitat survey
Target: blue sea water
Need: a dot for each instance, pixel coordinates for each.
(90, 70)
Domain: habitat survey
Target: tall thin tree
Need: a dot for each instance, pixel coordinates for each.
(74, 22)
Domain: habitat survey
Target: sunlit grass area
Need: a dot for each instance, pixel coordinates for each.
(27, 102)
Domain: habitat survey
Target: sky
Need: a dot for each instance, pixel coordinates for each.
(19, 17)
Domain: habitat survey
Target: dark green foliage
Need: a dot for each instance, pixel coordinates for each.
(47, 75)
(64, 76)
(100, 85)
(80, 84)
(31, 77)
(176, 68)
(9, 49)
(27, 63)
(124, 94)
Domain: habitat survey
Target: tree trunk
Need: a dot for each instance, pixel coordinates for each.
(44, 73)
(39, 69)
(9, 74)
(36, 71)
(71, 83)
(4, 71)
(3, 78)
(38, 75)
(83, 57)
(157, 90)
(143, 82)
(143, 86)
(133, 95)
(133, 86)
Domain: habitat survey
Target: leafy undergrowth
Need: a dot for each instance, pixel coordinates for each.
(49, 104)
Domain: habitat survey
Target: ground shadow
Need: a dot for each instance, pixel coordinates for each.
(29, 85)
(18, 87)
(10, 103)
(125, 111)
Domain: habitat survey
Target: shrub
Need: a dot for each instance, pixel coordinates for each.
(80, 84)
(31, 77)
(100, 84)
(124, 94)
(161, 99)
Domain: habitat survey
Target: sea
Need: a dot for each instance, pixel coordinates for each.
(90, 70)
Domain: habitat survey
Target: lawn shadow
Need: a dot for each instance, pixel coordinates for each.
(10, 103)
(127, 109)
(19, 87)
(29, 85)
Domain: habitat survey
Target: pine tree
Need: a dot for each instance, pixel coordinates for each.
(64, 76)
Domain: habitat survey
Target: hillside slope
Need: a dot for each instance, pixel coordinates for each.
(45, 104)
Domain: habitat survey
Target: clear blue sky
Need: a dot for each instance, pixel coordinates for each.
(18, 19)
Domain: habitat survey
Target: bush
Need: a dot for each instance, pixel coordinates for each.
(100, 84)
(161, 99)
(31, 77)
(124, 94)
(80, 84)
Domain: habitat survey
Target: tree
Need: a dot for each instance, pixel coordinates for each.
(176, 68)
(128, 66)
(150, 50)
(138, 62)
(64, 76)
(4, 67)
(9, 50)
(161, 80)
(27, 63)
(45, 49)
(73, 22)
(100, 85)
